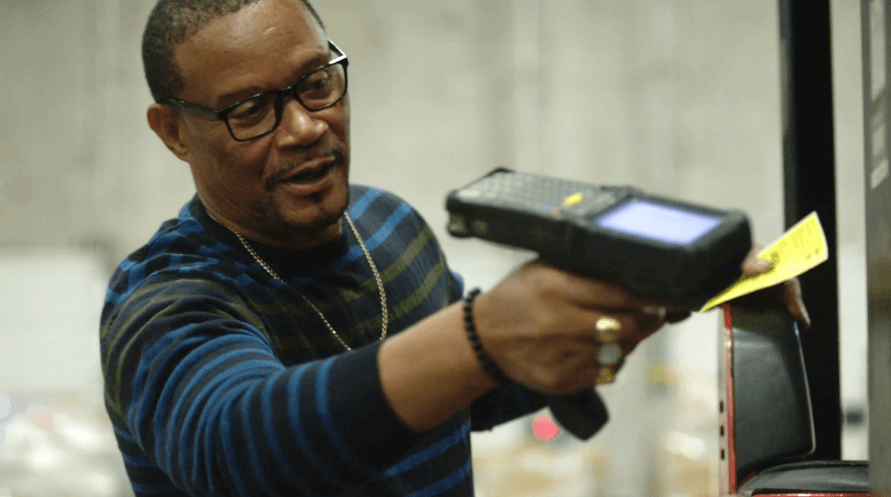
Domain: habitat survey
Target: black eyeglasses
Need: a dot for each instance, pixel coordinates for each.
(260, 114)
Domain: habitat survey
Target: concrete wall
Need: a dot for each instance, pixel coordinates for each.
(679, 97)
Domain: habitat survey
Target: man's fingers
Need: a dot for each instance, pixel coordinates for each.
(752, 265)
(651, 320)
(624, 326)
(596, 295)
(795, 303)
(580, 290)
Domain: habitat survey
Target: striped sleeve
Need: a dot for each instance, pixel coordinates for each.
(201, 395)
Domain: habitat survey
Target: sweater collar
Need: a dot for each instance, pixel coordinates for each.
(289, 262)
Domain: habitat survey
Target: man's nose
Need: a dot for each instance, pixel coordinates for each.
(299, 126)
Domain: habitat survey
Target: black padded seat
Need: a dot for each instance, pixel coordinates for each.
(772, 418)
(810, 477)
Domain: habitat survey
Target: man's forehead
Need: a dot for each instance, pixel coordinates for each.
(261, 42)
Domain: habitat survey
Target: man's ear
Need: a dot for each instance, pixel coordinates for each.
(166, 123)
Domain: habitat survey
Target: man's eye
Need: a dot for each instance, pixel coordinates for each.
(319, 85)
(253, 110)
(316, 82)
(247, 109)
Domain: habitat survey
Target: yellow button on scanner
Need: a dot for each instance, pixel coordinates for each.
(573, 199)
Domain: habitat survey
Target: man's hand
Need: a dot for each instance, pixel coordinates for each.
(550, 330)
(560, 333)
(785, 296)
(546, 328)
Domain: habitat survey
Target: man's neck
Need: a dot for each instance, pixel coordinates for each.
(284, 239)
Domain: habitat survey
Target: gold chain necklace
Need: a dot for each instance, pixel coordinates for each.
(377, 279)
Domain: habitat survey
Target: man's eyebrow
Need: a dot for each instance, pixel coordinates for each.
(240, 94)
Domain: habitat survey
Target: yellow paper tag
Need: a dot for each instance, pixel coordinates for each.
(801, 248)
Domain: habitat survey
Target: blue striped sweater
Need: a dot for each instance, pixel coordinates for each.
(220, 380)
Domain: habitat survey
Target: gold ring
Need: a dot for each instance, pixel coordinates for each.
(605, 376)
(608, 329)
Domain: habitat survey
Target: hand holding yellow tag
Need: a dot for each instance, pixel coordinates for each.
(801, 248)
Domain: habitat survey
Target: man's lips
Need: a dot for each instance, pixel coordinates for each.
(309, 173)
(308, 179)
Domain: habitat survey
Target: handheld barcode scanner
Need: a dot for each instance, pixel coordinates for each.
(666, 250)
(670, 251)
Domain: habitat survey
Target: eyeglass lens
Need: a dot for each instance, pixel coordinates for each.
(315, 91)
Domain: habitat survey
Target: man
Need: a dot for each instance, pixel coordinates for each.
(290, 334)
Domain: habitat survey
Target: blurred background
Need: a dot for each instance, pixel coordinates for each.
(678, 97)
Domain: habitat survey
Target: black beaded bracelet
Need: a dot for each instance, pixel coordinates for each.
(488, 364)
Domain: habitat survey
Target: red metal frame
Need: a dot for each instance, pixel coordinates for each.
(727, 412)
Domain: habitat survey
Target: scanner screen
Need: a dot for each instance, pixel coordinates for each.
(663, 223)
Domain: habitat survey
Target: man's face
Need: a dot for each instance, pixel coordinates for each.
(288, 188)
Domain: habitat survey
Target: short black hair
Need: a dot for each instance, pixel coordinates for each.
(173, 22)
